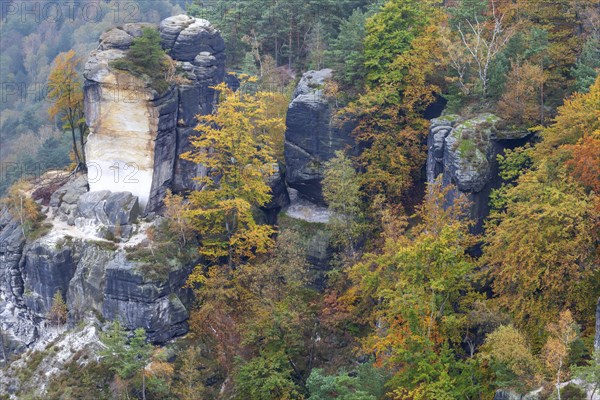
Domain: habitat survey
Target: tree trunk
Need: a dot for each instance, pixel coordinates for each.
(143, 383)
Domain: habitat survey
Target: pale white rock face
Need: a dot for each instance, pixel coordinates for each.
(120, 147)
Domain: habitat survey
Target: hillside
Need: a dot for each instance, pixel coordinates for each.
(358, 200)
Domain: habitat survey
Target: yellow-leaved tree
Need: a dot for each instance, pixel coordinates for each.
(235, 146)
(66, 95)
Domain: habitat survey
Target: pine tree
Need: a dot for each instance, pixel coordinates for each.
(126, 358)
(58, 312)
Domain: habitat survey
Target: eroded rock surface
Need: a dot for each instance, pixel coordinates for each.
(313, 135)
(136, 133)
(464, 151)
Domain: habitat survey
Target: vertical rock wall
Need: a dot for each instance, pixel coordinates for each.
(137, 134)
(313, 135)
(464, 151)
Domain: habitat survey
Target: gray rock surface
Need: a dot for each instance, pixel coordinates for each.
(165, 121)
(139, 302)
(463, 151)
(111, 213)
(313, 135)
(183, 37)
(467, 153)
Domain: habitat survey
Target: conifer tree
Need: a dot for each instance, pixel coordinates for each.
(58, 312)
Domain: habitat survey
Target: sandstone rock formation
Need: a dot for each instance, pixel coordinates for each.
(463, 151)
(137, 134)
(313, 135)
(88, 259)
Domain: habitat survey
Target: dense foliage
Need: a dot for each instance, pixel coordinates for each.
(414, 305)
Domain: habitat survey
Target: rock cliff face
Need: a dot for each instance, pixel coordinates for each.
(88, 260)
(313, 135)
(137, 134)
(95, 221)
(463, 151)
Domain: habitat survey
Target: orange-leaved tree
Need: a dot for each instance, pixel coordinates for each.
(409, 293)
(547, 234)
(66, 93)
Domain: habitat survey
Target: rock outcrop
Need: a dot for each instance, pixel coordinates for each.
(463, 151)
(136, 133)
(90, 259)
(97, 222)
(313, 135)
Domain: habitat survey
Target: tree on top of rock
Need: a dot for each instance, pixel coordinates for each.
(146, 57)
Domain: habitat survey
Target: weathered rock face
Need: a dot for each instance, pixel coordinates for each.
(464, 151)
(92, 273)
(112, 214)
(313, 135)
(139, 302)
(137, 134)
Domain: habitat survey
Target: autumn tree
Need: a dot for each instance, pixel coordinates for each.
(259, 319)
(556, 350)
(390, 125)
(507, 355)
(520, 102)
(189, 378)
(546, 235)
(408, 295)
(176, 210)
(66, 94)
(235, 146)
(58, 311)
(558, 20)
(341, 190)
(22, 207)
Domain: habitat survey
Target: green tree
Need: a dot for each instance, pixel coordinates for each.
(341, 190)
(390, 33)
(590, 373)
(126, 357)
(365, 383)
(146, 57)
(346, 53)
(588, 65)
(265, 378)
(58, 312)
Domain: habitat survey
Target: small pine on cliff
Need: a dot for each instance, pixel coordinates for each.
(147, 58)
